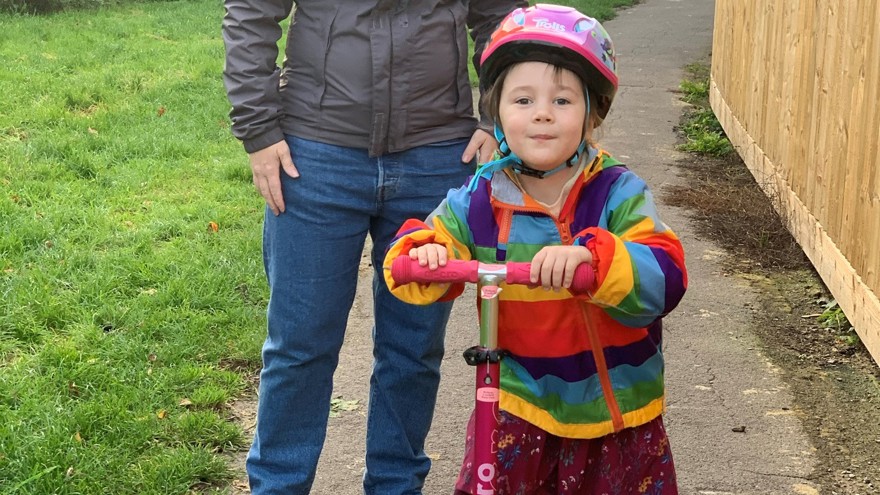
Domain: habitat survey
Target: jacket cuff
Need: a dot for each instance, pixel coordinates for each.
(263, 140)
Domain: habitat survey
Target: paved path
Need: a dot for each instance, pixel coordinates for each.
(717, 379)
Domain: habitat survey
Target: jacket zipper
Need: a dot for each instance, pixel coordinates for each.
(595, 344)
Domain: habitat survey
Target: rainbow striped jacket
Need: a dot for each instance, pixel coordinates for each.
(578, 366)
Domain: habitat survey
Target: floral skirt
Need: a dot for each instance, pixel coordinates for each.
(532, 462)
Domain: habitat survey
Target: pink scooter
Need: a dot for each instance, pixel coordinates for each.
(486, 356)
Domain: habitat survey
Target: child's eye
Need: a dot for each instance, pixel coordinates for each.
(522, 101)
(562, 101)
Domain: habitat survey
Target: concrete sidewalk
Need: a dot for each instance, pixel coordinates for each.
(717, 379)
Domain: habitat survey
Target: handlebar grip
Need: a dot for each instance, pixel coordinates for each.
(405, 270)
(518, 272)
(582, 283)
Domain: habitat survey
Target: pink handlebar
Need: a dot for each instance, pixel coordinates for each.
(405, 270)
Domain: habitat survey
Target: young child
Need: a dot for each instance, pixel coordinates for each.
(582, 388)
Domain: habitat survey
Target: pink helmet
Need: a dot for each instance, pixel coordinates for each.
(557, 35)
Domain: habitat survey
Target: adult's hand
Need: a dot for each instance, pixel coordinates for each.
(266, 165)
(482, 145)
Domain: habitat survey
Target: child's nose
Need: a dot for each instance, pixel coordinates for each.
(543, 112)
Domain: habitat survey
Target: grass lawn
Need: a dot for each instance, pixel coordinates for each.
(132, 295)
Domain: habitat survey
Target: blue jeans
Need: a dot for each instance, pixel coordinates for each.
(311, 253)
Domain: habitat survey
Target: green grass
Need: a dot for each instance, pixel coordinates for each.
(127, 323)
(118, 302)
(700, 126)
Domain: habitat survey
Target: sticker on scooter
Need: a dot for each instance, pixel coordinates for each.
(487, 394)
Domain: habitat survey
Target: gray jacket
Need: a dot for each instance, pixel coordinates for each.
(384, 75)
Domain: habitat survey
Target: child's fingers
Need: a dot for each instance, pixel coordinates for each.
(537, 263)
(562, 274)
(432, 257)
(570, 267)
(422, 256)
(551, 273)
(558, 274)
(442, 257)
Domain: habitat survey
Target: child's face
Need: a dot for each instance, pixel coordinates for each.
(542, 112)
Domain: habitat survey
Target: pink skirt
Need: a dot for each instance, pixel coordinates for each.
(531, 462)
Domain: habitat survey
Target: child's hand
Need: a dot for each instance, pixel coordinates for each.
(430, 255)
(554, 266)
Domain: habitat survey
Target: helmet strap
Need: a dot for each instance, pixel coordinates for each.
(507, 158)
(522, 168)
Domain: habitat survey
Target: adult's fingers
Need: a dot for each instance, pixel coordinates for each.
(470, 151)
(286, 161)
(262, 185)
(482, 145)
(487, 150)
(266, 166)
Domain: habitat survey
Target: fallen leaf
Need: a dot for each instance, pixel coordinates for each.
(738, 429)
(213, 227)
(162, 414)
(93, 131)
(161, 111)
(338, 404)
(77, 437)
(152, 357)
(185, 402)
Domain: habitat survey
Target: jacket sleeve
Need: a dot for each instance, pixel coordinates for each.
(251, 76)
(484, 16)
(446, 225)
(638, 260)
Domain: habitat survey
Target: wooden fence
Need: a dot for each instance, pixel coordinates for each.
(796, 86)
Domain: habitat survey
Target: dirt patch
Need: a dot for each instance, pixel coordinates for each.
(831, 374)
(244, 413)
(833, 378)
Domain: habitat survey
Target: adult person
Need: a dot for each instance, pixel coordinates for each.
(368, 122)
